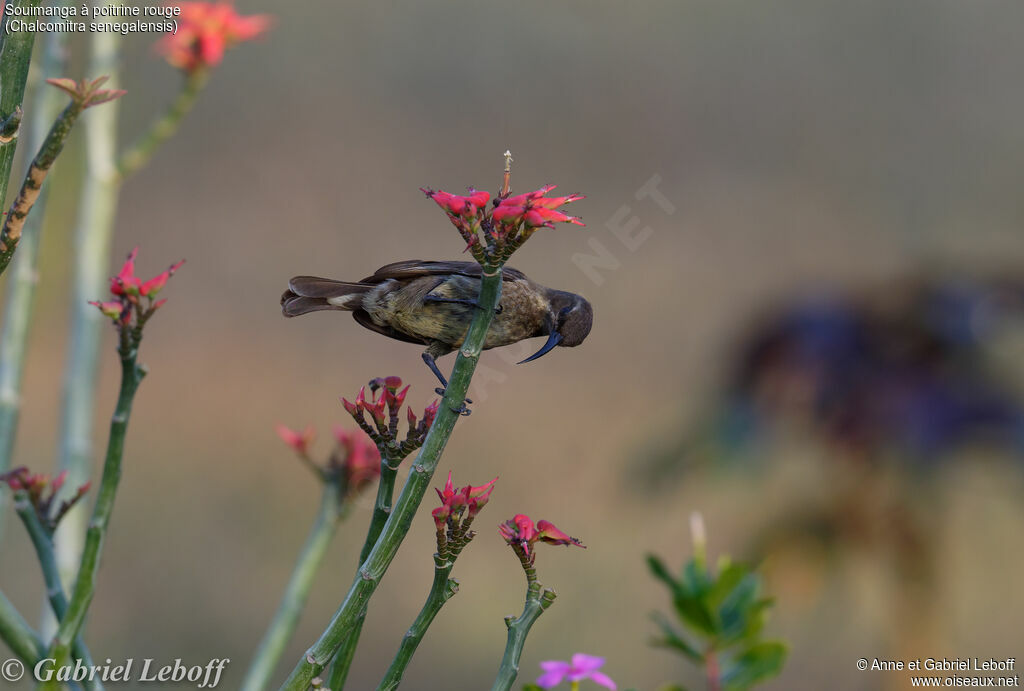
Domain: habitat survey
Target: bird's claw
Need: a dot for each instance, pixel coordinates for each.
(441, 392)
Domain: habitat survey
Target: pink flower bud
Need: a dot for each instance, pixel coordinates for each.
(555, 202)
(125, 282)
(547, 532)
(441, 515)
(298, 441)
(156, 284)
(376, 410)
(112, 308)
(545, 217)
(429, 413)
(508, 213)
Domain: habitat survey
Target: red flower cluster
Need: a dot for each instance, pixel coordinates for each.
(354, 460)
(386, 400)
(205, 31)
(87, 93)
(455, 515)
(493, 233)
(521, 531)
(127, 290)
(455, 502)
(42, 491)
(359, 459)
(298, 441)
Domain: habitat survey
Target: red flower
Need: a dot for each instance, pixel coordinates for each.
(542, 216)
(521, 531)
(456, 204)
(205, 31)
(125, 282)
(456, 503)
(42, 491)
(156, 284)
(429, 413)
(361, 459)
(299, 441)
(113, 309)
(128, 289)
(547, 532)
(475, 498)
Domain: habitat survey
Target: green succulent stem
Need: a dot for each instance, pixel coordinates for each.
(342, 663)
(15, 56)
(282, 626)
(18, 635)
(537, 600)
(31, 187)
(85, 584)
(42, 541)
(441, 590)
(164, 127)
(398, 522)
(24, 273)
(91, 244)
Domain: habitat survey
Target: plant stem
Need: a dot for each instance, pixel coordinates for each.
(382, 506)
(97, 205)
(31, 188)
(42, 540)
(15, 55)
(18, 635)
(397, 525)
(518, 629)
(714, 675)
(343, 658)
(85, 584)
(381, 510)
(441, 590)
(24, 276)
(163, 127)
(286, 618)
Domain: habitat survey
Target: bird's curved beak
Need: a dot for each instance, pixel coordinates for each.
(554, 339)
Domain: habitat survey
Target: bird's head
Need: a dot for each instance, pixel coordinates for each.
(568, 323)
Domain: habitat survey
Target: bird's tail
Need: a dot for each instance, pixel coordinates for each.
(310, 294)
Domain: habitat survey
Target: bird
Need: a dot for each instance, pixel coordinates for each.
(432, 303)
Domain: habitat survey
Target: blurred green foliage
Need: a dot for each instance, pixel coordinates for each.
(721, 615)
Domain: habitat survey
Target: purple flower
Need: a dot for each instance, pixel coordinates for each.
(582, 667)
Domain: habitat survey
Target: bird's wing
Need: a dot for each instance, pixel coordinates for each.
(363, 318)
(416, 268)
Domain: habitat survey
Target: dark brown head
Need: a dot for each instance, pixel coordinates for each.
(569, 320)
(573, 317)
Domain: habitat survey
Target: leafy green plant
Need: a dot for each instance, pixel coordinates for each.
(722, 612)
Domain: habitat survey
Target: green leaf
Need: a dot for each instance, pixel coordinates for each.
(674, 640)
(739, 606)
(696, 578)
(693, 612)
(661, 572)
(757, 663)
(531, 687)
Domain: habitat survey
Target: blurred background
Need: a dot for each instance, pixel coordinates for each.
(813, 333)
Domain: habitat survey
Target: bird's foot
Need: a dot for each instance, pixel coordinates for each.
(441, 392)
(459, 301)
